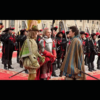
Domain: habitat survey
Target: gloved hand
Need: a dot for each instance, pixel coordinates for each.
(42, 59)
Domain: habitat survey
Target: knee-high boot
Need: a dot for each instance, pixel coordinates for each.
(86, 60)
(5, 66)
(98, 64)
(92, 64)
(89, 66)
(53, 70)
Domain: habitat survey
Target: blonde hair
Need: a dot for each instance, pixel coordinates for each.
(31, 34)
(44, 31)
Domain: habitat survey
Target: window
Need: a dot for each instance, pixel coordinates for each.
(12, 23)
(23, 25)
(92, 22)
(87, 21)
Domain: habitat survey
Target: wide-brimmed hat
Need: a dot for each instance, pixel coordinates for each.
(34, 28)
(40, 30)
(82, 32)
(67, 32)
(54, 28)
(7, 29)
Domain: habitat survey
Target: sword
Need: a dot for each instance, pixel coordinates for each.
(17, 73)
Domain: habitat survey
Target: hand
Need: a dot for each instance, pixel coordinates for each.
(42, 59)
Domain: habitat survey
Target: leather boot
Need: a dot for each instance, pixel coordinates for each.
(43, 79)
(53, 70)
(98, 64)
(58, 63)
(90, 67)
(86, 58)
(21, 65)
(26, 71)
(5, 67)
(92, 64)
(9, 67)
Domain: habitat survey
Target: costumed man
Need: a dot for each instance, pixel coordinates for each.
(93, 52)
(8, 48)
(60, 49)
(39, 37)
(87, 46)
(1, 27)
(53, 36)
(68, 39)
(98, 61)
(47, 49)
(29, 53)
(74, 60)
(20, 40)
(82, 33)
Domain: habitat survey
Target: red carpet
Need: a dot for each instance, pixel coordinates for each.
(94, 73)
(5, 74)
(14, 54)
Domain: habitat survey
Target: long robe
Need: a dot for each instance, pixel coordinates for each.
(74, 60)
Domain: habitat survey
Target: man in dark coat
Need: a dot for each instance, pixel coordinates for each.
(98, 61)
(93, 52)
(39, 37)
(87, 47)
(82, 33)
(8, 48)
(20, 38)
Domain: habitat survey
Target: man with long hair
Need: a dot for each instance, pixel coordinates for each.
(29, 53)
(74, 61)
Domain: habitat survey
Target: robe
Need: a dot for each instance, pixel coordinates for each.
(74, 59)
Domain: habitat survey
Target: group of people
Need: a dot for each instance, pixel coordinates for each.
(41, 52)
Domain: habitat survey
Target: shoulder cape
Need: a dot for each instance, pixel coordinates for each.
(25, 50)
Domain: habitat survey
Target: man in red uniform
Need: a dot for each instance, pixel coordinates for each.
(47, 49)
(53, 36)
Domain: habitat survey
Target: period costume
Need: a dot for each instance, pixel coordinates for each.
(87, 48)
(61, 47)
(8, 48)
(29, 56)
(93, 52)
(98, 61)
(38, 38)
(74, 60)
(20, 38)
(53, 36)
(47, 49)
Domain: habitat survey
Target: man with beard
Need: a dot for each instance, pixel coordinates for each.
(53, 36)
(47, 49)
(8, 48)
(20, 40)
(74, 60)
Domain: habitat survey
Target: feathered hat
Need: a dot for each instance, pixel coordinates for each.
(7, 29)
(54, 28)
